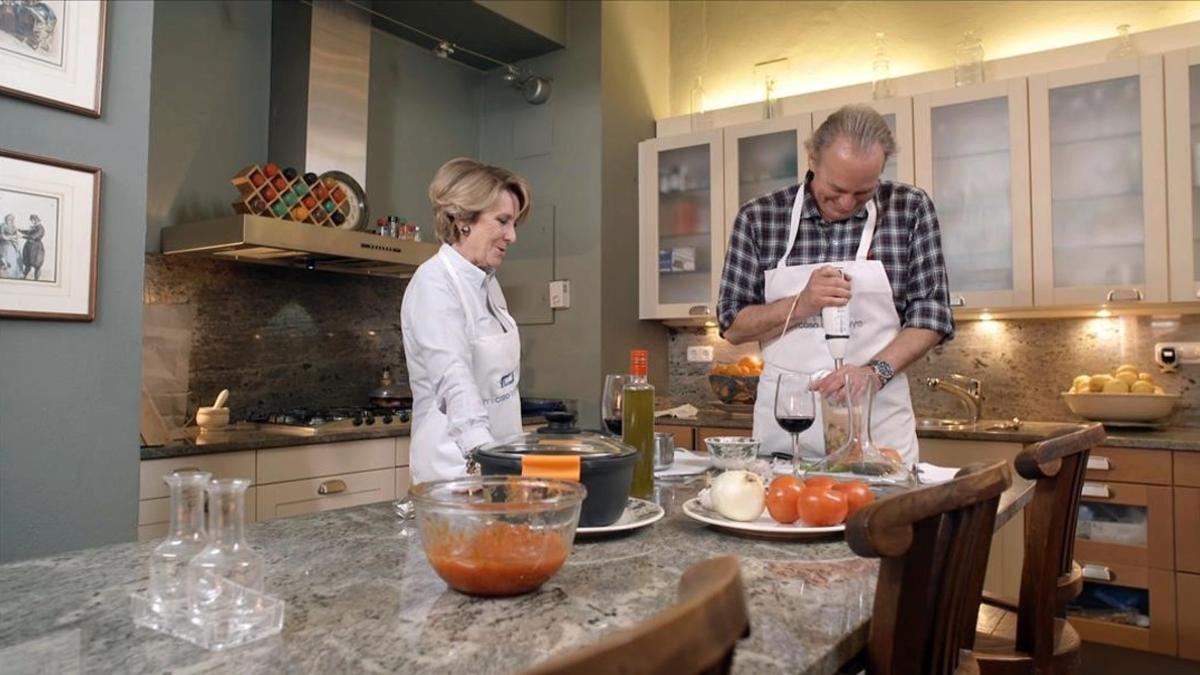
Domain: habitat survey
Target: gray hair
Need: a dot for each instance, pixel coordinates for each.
(861, 125)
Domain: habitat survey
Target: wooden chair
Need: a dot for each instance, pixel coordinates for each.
(1032, 636)
(934, 544)
(695, 636)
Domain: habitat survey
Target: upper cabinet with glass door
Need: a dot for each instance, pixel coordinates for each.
(682, 231)
(1182, 76)
(760, 158)
(1099, 189)
(898, 113)
(972, 157)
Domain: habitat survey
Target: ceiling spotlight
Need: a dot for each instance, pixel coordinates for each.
(443, 50)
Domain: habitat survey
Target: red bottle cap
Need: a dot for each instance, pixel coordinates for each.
(638, 360)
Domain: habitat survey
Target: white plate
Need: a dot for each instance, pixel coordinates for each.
(764, 526)
(686, 463)
(638, 513)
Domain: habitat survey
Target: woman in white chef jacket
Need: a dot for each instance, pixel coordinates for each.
(460, 343)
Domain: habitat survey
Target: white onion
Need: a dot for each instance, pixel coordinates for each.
(739, 495)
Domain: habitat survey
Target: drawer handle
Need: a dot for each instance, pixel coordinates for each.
(958, 301)
(1096, 490)
(185, 469)
(1098, 464)
(1097, 572)
(332, 487)
(1125, 295)
(700, 310)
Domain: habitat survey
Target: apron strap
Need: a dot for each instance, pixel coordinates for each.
(864, 244)
(462, 297)
(794, 227)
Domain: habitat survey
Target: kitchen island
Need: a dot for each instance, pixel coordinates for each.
(362, 597)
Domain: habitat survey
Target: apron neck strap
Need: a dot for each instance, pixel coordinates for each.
(864, 244)
(462, 296)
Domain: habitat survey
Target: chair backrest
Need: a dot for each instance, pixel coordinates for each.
(934, 544)
(695, 636)
(1049, 575)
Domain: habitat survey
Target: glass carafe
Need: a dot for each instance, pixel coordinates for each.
(855, 454)
(227, 558)
(185, 539)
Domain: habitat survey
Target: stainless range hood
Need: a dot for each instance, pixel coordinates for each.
(298, 245)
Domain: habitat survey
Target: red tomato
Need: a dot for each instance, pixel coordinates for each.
(781, 498)
(858, 494)
(821, 507)
(819, 482)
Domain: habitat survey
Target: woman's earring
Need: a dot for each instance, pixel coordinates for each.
(464, 230)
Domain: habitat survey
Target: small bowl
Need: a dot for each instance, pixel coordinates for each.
(732, 452)
(1140, 408)
(734, 388)
(497, 536)
(211, 418)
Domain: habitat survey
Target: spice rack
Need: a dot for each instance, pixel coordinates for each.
(289, 195)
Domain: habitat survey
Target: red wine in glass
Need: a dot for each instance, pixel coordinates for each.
(613, 425)
(794, 425)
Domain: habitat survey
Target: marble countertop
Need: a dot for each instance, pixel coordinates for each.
(362, 597)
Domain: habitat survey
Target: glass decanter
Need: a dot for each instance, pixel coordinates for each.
(968, 60)
(1124, 48)
(857, 455)
(227, 558)
(185, 539)
(881, 67)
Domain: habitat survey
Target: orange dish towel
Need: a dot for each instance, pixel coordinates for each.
(563, 467)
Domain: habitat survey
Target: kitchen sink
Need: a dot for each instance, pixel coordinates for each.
(996, 426)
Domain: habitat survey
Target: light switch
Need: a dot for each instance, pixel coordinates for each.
(700, 354)
(560, 294)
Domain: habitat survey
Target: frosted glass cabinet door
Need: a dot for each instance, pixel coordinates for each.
(1182, 78)
(1099, 184)
(760, 158)
(682, 248)
(898, 113)
(972, 156)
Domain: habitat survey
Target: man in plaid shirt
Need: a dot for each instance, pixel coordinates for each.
(846, 155)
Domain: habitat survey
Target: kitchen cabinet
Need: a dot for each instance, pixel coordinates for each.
(1187, 529)
(1149, 622)
(760, 158)
(1128, 465)
(1181, 74)
(1187, 604)
(154, 515)
(681, 207)
(154, 507)
(971, 148)
(1099, 200)
(276, 465)
(1126, 523)
(898, 113)
(293, 498)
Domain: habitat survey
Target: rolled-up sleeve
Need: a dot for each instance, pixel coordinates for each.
(741, 278)
(436, 348)
(927, 293)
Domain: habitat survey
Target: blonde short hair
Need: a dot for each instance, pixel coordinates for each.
(463, 188)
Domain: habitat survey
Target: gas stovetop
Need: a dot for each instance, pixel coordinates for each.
(311, 421)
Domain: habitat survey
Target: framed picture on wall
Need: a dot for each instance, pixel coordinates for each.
(52, 52)
(49, 223)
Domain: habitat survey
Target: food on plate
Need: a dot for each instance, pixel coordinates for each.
(1116, 387)
(1126, 379)
(821, 507)
(781, 498)
(738, 495)
(858, 494)
(1142, 387)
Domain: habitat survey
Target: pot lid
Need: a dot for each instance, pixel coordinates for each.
(560, 437)
(387, 387)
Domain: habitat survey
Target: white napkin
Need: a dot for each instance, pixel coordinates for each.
(932, 473)
(686, 410)
(687, 463)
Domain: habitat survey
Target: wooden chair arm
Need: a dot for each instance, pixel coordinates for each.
(1041, 460)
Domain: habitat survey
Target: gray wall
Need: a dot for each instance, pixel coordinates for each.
(556, 146)
(68, 390)
(208, 108)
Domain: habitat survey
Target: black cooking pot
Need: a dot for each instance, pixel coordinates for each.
(605, 465)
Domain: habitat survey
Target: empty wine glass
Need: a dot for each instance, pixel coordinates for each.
(795, 407)
(610, 403)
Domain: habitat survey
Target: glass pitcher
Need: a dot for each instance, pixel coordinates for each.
(185, 539)
(227, 558)
(850, 450)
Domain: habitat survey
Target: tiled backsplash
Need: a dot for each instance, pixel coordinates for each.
(274, 337)
(1024, 364)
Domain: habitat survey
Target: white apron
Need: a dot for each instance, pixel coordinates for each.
(496, 366)
(874, 323)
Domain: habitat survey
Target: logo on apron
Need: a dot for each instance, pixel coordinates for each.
(507, 379)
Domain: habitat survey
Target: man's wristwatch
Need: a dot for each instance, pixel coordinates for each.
(883, 369)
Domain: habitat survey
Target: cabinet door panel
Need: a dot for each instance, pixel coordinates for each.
(1182, 87)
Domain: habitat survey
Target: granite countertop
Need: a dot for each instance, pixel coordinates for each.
(361, 596)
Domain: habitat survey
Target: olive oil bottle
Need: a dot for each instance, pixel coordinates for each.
(637, 423)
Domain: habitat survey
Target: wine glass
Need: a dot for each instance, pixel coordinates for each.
(610, 403)
(795, 407)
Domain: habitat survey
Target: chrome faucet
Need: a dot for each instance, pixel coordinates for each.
(970, 395)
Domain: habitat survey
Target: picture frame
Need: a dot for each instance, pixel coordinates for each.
(49, 238)
(52, 52)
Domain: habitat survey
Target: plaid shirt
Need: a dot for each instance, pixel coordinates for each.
(907, 241)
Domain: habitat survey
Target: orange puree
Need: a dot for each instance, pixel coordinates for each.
(502, 559)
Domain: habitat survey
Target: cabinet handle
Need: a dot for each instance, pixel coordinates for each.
(1098, 464)
(1097, 572)
(958, 301)
(185, 469)
(332, 487)
(1099, 490)
(1134, 295)
(699, 310)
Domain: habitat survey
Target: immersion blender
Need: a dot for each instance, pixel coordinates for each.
(837, 329)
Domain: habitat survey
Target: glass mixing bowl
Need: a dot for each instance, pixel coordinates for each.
(497, 535)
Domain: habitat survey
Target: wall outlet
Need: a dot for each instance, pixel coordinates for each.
(701, 354)
(1170, 355)
(560, 294)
